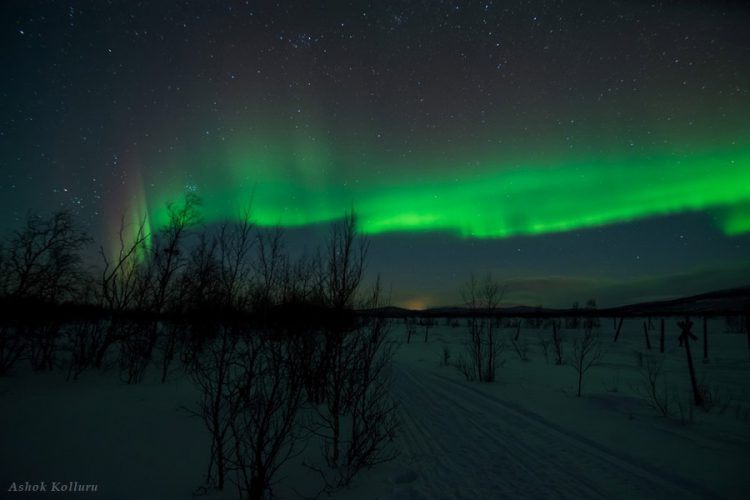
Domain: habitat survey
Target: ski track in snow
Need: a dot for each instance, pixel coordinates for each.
(458, 442)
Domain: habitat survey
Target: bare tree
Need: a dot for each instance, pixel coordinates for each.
(483, 343)
(122, 286)
(264, 431)
(160, 278)
(271, 260)
(217, 372)
(42, 264)
(344, 266)
(586, 353)
(492, 294)
(475, 340)
(557, 342)
(167, 256)
(43, 259)
(346, 255)
(373, 412)
(360, 424)
(234, 246)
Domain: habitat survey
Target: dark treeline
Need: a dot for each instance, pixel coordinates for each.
(272, 342)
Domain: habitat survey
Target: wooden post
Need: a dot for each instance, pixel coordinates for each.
(619, 326)
(685, 337)
(645, 332)
(661, 337)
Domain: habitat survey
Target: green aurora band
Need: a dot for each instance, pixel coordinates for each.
(297, 187)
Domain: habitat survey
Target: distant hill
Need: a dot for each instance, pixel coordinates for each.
(722, 302)
(731, 301)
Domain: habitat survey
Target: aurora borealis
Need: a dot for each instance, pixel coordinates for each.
(499, 202)
(563, 147)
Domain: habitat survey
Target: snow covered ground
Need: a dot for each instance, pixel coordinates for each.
(525, 436)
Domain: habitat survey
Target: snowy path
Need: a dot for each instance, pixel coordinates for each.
(461, 443)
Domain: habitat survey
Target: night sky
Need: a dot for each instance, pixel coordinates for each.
(573, 149)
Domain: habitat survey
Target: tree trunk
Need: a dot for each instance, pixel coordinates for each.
(645, 332)
(705, 338)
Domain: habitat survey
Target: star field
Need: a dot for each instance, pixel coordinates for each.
(592, 148)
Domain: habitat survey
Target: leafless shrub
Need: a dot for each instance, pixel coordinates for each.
(84, 339)
(42, 337)
(136, 347)
(652, 388)
(544, 343)
(12, 347)
(466, 368)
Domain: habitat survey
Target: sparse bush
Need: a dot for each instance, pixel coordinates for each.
(446, 356)
(586, 353)
(12, 347)
(734, 324)
(411, 328)
(468, 371)
(544, 343)
(712, 397)
(521, 347)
